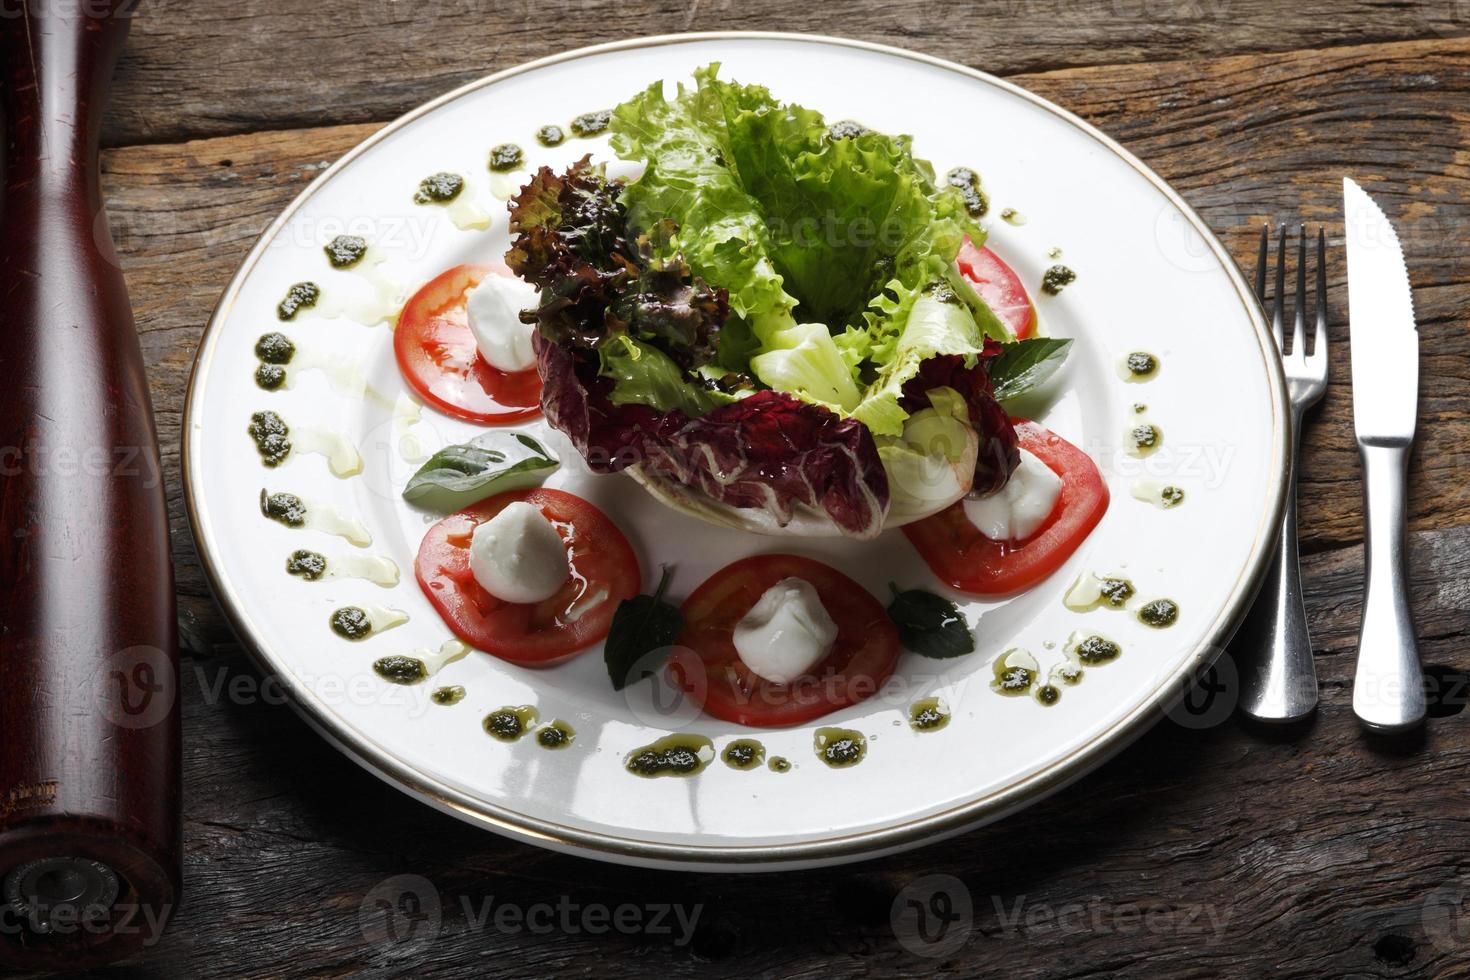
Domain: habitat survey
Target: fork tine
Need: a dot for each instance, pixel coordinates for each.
(1319, 336)
(1279, 298)
(1299, 318)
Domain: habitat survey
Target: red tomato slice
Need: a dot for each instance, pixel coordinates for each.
(438, 357)
(706, 664)
(604, 573)
(956, 551)
(1000, 287)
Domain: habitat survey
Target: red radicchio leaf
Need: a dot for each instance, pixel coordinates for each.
(769, 450)
(999, 454)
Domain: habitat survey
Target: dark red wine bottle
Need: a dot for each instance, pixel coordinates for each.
(89, 714)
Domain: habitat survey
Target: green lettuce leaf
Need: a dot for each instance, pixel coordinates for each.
(644, 375)
(808, 231)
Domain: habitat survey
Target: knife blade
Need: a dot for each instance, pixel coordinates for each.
(1384, 340)
(1388, 687)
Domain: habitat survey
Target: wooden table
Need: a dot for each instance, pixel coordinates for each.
(1198, 851)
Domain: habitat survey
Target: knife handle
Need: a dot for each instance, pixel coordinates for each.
(89, 716)
(1388, 691)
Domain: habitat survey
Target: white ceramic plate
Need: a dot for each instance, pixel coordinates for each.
(1150, 277)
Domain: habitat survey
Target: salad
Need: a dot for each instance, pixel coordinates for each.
(780, 325)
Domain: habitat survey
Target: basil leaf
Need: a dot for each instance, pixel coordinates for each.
(459, 475)
(641, 626)
(1026, 364)
(930, 625)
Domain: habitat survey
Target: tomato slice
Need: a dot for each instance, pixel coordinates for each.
(1000, 287)
(956, 551)
(438, 357)
(706, 666)
(604, 573)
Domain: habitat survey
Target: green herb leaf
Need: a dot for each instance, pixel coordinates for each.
(457, 476)
(1025, 364)
(930, 625)
(641, 626)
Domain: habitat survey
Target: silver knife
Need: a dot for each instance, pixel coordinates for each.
(1388, 691)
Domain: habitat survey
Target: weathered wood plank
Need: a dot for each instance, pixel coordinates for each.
(1200, 852)
(185, 214)
(195, 69)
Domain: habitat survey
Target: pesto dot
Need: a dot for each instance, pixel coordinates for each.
(1171, 496)
(1141, 364)
(1145, 436)
(590, 124)
(351, 623)
(299, 297)
(1115, 591)
(551, 135)
(506, 156)
(307, 564)
(284, 507)
(1159, 613)
(1016, 679)
(1056, 278)
(554, 736)
(779, 764)
(400, 670)
(744, 753)
(1048, 694)
(345, 251)
(967, 182)
(505, 725)
(1097, 650)
(440, 188)
(679, 760)
(1070, 673)
(842, 751)
(275, 348)
(448, 695)
(927, 716)
(271, 437)
(270, 376)
(847, 129)
(1139, 408)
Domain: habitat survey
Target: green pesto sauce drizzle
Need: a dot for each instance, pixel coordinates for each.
(272, 437)
(299, 297)
(452, 694)
(307, 564)
(1057, 278)
(287, 508)
(977, 203)
(506, 157)
(1097, 650)
(555, 735)
(672, 755)
(509, 723)
(345, 251)
(744, 754)
(779, 763)
(551, 135)
(399, 669)
(590, 124)
(928, 715)
(1160, 613)
(840, 748)
(440, 188)
(1015, 673)
(351, 623)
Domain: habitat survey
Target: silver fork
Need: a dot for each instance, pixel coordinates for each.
(1278, 680)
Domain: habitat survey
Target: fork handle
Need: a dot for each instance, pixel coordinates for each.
(1273, 649)
(1388, 691)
